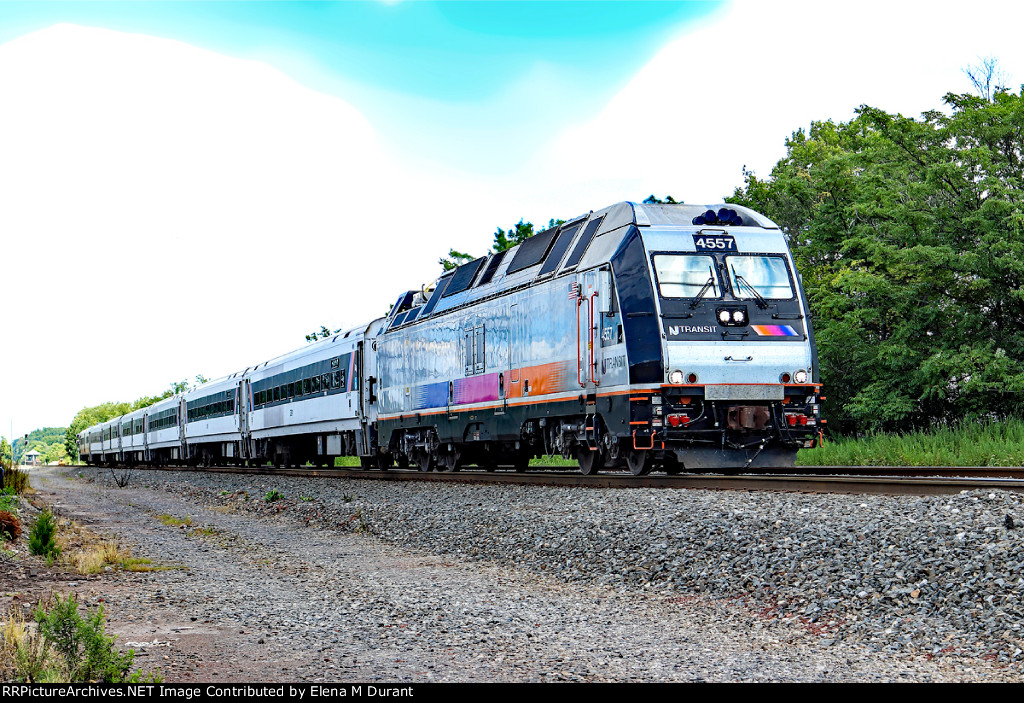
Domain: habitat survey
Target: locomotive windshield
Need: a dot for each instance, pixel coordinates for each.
(753, 276)
(686, 275)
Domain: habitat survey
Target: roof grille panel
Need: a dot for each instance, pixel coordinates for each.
(492, 267)
(463, 277)
(581, 246)
(558, 250)
(532, 251)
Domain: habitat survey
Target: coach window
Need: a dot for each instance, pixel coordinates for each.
(291, 390)
(765, 275)
(307, 387)
(685, 275)
(337, 379)
(316, 384)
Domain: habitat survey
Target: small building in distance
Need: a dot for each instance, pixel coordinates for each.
(31, 458)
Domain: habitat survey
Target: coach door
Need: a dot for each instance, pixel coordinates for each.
(242, 408)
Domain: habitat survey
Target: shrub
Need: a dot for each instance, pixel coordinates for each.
(64, 648)
(272, 496)
(15, 480)
(42, 538)
(84, 651)
(10, 526)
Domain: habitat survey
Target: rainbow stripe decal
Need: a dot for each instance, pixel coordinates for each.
(775, 330)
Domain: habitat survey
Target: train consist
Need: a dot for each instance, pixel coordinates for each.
(651, 337)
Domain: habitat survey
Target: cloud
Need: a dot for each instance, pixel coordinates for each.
(727, 94)
(167, 211)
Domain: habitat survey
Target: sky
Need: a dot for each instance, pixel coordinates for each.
(189, 187)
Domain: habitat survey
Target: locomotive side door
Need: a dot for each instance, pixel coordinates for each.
(593, 298)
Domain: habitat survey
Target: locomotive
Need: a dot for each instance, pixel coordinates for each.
(640, 336)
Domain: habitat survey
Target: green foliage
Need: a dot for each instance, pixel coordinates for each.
(455, 259)
(48, 441)
(9, 500)
(965, 444)
(324, 333)
(87, 417)
(42, 539)
(669, 200)
(909, 235)
(273, 495)
(503, 239)
(82, 650)
(70, 445)
(15, 481)
(6, 454)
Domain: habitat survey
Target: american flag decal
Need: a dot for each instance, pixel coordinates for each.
(574, 291)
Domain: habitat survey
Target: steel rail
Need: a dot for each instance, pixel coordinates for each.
(849, 479)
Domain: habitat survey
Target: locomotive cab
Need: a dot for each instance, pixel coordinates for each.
(737, 384)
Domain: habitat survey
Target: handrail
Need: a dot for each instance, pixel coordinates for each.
(590, 340)
(579, 365)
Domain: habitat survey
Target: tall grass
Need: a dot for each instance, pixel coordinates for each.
(967, 444)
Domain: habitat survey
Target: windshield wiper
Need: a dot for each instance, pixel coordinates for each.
(761, 302)
(710, 282)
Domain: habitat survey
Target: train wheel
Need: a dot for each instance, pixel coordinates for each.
(424, 460)
(590, 460)
(449, 460)
(639, 462)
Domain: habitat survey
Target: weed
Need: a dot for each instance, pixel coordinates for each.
(204, 531)
(362, 526)
(347, 498)
(8, 501)
(10, 526)
(16, 480)
(138, 564)
(63, 647)
(82, 649)
(272, 496)
(92, 559)
(964, 444)
(306, 499)
(172, 521)
(42, 538)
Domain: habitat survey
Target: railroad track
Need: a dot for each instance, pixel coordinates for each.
(890, 480)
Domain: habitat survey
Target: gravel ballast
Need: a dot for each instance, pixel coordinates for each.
(528, 583)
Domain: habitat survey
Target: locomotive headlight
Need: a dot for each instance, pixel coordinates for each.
(723, 316)
(676, 376)
(800, 376)
(739, 317)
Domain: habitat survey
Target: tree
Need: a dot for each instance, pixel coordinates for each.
(71, 445)
(324, 333)
(909, 235)
(503, 239)
(6, 454)
(986, 77)
(669, 200)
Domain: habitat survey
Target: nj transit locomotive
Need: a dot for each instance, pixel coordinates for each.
(663, 337)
